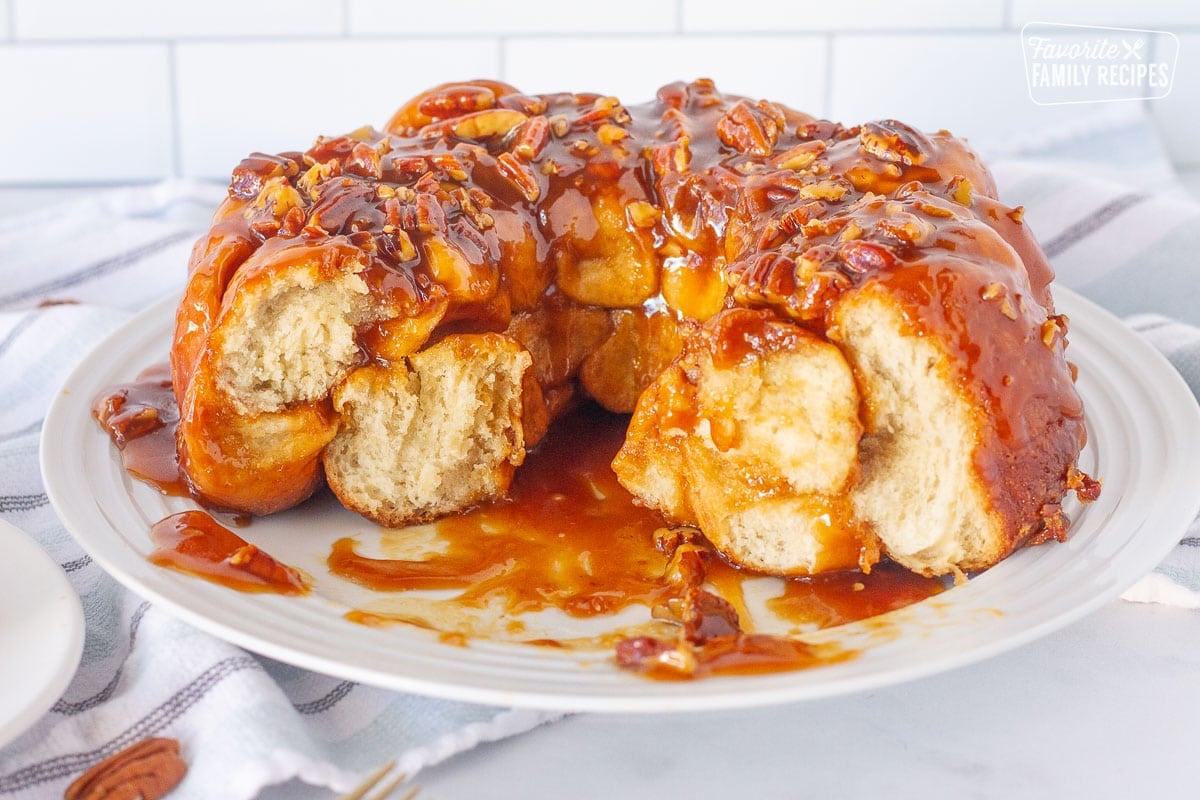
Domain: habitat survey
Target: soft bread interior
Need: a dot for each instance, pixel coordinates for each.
(431, 434)
(919, 490)
(291, 339)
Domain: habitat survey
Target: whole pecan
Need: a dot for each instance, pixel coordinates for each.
(148, 770)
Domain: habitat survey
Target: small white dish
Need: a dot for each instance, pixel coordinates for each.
(1144, 443)
(41, 632)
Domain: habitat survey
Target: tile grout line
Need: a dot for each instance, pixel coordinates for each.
(502, 58)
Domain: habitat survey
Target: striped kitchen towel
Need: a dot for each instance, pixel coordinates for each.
(246, 721)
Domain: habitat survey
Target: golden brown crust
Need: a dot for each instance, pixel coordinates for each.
(625, 229)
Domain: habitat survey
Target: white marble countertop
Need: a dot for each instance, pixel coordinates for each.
(1107, 707)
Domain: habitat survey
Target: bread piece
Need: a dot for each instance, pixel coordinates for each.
(753, 437)
(256, 413)
(433, 434)
(960, 460)
(758, 285)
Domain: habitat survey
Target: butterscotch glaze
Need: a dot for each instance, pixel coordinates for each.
(488, 201)
(603, 238)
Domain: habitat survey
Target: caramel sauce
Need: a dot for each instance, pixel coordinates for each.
(568, 536)
(748, 654)
(141, 418)
(195, 543)
(742, 335)
(838, 598)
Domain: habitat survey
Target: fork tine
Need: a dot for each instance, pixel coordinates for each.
(374, 778)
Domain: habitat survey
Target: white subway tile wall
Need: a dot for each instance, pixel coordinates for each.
(861, 15)
(85, 113)
(456, 17)
(1122, 13)
(973, 85)
(81, 20)
(235, 97)
(137, 90)
(790, 69)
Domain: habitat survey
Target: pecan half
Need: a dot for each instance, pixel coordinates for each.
(751, 129)
(519, 175)
(455, 100)
(530, 139)
(146, 770)
(487, 124)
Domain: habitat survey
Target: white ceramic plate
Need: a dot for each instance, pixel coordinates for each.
(1144, 429)
(41, 632)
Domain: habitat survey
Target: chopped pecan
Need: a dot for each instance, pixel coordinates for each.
(489, 124)
(675, 156)
(960, 190)
(795, 219)
(364, 160)
(890, 140)
(530, 139)
(449, 165)
(706, 616)
(609, 133)
(642, 214)
(864, 257)
(520, 176)
(250, 175)
(1054, 525)
(833, 190)
(1006, 308)
(751, 129)
(604, 108)
(529, 106)
(317, 174)
(430, 216)
(1086, 488)
(906, 227)
(800, 156)
(560, 125)
(1054, 326)
(147, 770)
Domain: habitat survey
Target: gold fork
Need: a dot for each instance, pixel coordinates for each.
(384, 791)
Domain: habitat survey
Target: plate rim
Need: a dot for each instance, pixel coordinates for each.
(40, 695)
(768, 689)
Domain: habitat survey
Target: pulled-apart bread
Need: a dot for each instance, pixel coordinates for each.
(835, 342)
